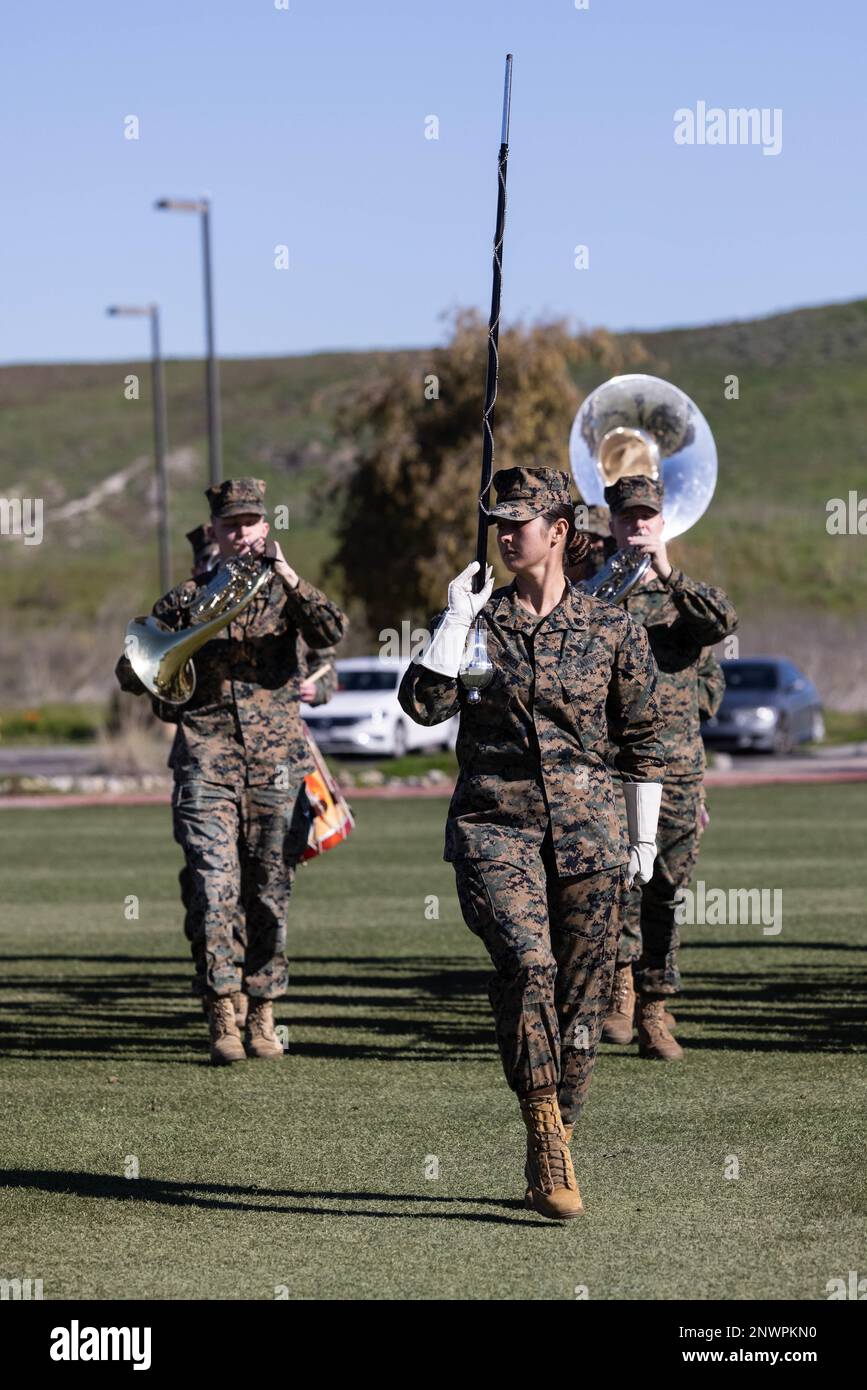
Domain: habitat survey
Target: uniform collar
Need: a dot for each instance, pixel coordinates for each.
(571, 612)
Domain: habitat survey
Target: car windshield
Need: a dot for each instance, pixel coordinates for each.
(367, 680)
(750, 675)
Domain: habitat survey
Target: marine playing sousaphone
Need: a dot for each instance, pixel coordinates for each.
(637, 424)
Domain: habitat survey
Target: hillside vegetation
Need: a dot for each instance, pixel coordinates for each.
(793, 438)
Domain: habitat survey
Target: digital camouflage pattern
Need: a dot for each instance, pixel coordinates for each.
(553, 943)
(711, 685)
(681, 618)
(237, 497)
(532, 827)
(206, 552)
(523, 493)
(241, 844)
(243, 713)
(635, 490)
(327, 684)
(194, 919)
(650, 938)
(239, 758)
(532, 752)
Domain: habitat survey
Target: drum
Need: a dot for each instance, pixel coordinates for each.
(332, 819)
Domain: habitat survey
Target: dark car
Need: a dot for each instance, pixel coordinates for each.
(768, 705)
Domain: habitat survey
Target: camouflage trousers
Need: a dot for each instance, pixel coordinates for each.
(553, 944)
(650, 937)
(241, 845)
(192, 932)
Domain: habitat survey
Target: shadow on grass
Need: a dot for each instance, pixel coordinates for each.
(803, 1007)
(377, 1008)
(411, 1008)
(221, 1197)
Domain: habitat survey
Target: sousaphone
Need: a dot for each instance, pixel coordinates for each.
(637, 424)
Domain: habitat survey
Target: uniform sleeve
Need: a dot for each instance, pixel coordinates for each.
(634, 721)
(707, 614)
(426, 696)
(327, 684)
(319, 621)
(711, 685)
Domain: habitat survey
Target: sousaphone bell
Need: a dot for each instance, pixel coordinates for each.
(636, 424)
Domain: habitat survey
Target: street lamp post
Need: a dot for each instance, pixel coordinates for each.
(152, 312)
(212, 381)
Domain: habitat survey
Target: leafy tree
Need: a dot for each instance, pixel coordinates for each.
(408, 509)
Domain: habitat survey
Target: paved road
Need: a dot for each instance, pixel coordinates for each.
(57, 760)
(842, 761)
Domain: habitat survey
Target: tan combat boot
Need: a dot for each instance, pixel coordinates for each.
(617, 1027)
(226, 1044)
(528, 1195)
(551, 1187)
(241, 1002)
(262, 1041)
(655, 1043)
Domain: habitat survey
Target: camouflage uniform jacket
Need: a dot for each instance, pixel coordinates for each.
(532, 751)
(711, 685)
(680, 618)
(243, 714)
(310, 662)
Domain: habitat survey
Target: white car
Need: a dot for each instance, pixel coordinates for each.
(363, 715)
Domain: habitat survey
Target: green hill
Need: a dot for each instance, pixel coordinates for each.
(795, 437)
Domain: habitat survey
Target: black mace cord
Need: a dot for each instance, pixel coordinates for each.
(492, 379)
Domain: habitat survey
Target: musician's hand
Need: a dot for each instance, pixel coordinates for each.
(464, 605)
(271, 550)
(654, 546)
(307, 692)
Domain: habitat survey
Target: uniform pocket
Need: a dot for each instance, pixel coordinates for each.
(585, 678)
(197, 795)
(473, 896)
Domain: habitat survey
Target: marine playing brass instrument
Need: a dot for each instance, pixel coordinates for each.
(161, 656)
(636, 424)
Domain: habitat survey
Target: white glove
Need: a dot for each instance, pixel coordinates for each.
(642, 814)
(444, 652)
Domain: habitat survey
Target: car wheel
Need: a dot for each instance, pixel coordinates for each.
(817, 727)
(784, 741)
(399, 741)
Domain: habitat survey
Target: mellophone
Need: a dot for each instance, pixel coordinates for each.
(162, 659)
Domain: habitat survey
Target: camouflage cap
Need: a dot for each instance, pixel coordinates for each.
(202, 542)
(635, 490)
(237, 495)
(523, 493)
(593, 521)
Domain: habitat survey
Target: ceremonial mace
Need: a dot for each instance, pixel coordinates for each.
(477, 671)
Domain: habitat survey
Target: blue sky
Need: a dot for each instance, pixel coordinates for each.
(306, 127)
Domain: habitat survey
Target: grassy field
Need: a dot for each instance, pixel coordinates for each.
(309, 1176)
